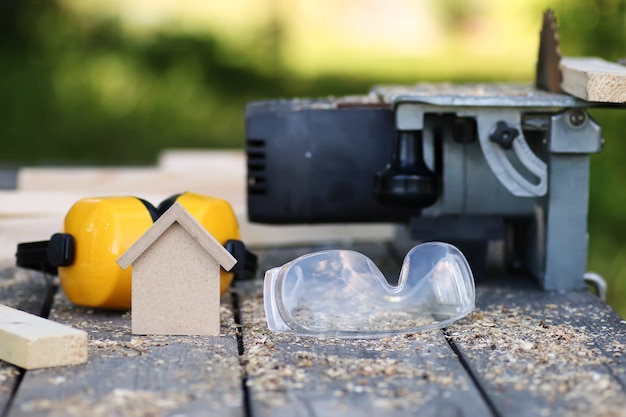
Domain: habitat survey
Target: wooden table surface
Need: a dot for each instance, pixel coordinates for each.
(523, 352)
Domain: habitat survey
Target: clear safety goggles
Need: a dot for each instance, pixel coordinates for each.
(342, 293)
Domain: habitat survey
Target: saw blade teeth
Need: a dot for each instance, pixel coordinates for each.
(548, 71)
(554, 30)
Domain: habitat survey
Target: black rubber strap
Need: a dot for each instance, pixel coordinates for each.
(247, 262)
(46, 255)
(34, 255)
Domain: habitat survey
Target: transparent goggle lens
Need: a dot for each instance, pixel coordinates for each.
(342, 293)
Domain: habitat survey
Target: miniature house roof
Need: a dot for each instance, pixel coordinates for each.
(177, 213)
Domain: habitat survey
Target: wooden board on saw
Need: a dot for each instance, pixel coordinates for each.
(594, 79)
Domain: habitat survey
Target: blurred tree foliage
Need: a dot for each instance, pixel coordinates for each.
(598, 28)
(80, 91)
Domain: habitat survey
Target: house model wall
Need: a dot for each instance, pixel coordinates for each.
(176, 277)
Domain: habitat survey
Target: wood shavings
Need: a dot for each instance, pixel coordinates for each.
(117, 402)
(8, 372)
(403, 371)
(7, 375)
(138, 375)
(23, 289)
(533, 354)
(522, 348)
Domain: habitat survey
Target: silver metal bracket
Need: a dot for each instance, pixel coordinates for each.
(532, 161)
(598, 283)
(574, 132)
(497, 159)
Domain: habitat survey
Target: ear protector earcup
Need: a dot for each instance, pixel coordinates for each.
(102, 230)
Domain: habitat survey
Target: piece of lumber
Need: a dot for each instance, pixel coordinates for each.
(594, 79)
(32, 342)
(287, 375)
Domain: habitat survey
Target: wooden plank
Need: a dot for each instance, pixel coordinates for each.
(31, 342)
(606, 326)
(594, 79)
(23, 289)
(126, 375)
(296, 376)
(176, 172)
(26, 290)
(545, 353)
(8, 178)
(36, 215)
(51, 203)
(36, 209)
(531, 352)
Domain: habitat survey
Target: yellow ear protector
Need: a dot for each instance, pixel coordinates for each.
(97, 231)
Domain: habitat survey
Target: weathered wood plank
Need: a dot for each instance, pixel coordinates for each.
(23, 289)
(35, 215)
(27, 291)
(298, 376)
(147, 375)
(606, 326)
(545, 353)
(531, 352)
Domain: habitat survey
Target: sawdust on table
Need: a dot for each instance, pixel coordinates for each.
(404, 371)
(213, 384)
(8, 375)
(550, 354)
(119, 402)
(23, 286)
(552, 358)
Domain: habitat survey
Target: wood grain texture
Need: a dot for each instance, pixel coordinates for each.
(136, 376)
(594, 79)
(523, 352)
(404, 375)
(32, 342)
(545, 353)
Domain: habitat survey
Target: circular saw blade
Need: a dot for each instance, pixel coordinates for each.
(548, 75)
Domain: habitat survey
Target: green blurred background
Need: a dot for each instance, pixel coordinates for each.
(114, 82)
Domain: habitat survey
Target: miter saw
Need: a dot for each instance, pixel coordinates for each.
(466, 164)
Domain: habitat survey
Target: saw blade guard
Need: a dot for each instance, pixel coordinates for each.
(343, 294)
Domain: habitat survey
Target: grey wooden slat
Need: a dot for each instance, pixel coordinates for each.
(608, 328)
(27, 291)
(545, 353)
(136, 375)
(301, 376)
(8, 178)
(22, 289)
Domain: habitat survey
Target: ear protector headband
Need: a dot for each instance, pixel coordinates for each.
(97, 231)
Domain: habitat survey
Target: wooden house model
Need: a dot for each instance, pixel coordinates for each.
(176, 277)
